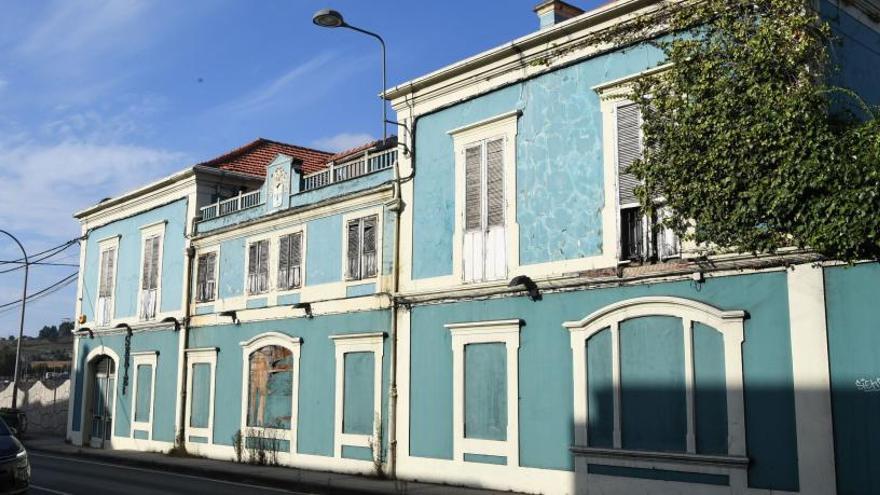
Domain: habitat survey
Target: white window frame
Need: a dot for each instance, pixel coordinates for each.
(105, 245)
(502, 126)
(270, 261)
(216, 295)
(149, 358)
(380, 226)
(148, 231)
(349, 343)
(485, 332)
(301, 229)
(293, 344)
(731, 326)
(207, 355)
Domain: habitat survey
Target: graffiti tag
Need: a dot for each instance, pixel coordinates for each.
(868, 384)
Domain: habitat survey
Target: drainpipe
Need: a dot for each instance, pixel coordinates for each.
(395, 301)
(187, 288)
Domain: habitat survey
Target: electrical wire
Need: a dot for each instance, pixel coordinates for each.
(45, 255)
(58, 248)
(44, 291)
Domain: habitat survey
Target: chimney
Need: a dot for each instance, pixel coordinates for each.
(552, 12)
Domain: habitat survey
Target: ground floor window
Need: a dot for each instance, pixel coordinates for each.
(143, 394)
(200, 394)
(358, 395)
(485, 391)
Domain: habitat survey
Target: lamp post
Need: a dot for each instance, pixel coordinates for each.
(333, 19)
(21, 323)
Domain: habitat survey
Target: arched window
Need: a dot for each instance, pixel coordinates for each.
(659, 380)
(270, 387)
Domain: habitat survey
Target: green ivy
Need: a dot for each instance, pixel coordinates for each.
(747, 141)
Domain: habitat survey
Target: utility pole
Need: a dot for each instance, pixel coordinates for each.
(21, 322)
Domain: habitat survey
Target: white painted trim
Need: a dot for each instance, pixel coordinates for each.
(359, 342)
(485, 122)
(812, 379)
(622, 84)
(500, 331)
(271, 258)
(729, 323)
(302, 229)
(148, 358)
(294, 345)
(105, 245)
(205, 355)
(195, 276)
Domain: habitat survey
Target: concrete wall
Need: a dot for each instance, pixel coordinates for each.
(44, 404)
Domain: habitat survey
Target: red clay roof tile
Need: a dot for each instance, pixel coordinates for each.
(254, 157)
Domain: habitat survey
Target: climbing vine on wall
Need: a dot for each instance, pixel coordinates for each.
(745, 137)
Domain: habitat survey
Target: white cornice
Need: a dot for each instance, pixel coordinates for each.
(165, 182)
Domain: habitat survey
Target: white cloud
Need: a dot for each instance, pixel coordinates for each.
(342, 141)
(41, 185)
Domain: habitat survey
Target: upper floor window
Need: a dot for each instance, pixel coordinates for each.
(151, 271)
(206, 278)
(361, 257)
(290, 261)
(258, 267)
(106, 279)
(485, 250)
(642, 237)
(485, 198)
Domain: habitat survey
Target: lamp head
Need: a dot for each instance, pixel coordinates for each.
(328, 18)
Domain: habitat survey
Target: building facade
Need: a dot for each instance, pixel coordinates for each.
(481, 303)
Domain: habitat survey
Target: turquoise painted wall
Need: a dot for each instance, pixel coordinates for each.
(710, 390)
(559, 163)
(164, 341)
(652, 392)
(324, 251)
(144, 399)
(230, 274)
(857, 52)
(317, 371)
(129, 259)
(200, 402)
(852, 297)
(545, 370)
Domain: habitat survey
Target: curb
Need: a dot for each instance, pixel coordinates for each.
(217, 473)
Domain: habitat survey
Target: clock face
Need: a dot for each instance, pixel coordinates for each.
(279, 182)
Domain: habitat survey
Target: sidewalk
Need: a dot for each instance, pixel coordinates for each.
(278, 477)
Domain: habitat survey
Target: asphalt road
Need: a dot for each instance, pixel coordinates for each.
(64, 475)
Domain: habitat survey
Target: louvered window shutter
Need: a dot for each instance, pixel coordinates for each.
(354, 262)
(148, 257)
(202, 277)
(629, 149)
(252, 268)
(473, 201)
(369, 253)
(495, 183)
(284, 262)
(107, 263)
(154, 262)
(296, 259)
(264, 265)
(210, 277)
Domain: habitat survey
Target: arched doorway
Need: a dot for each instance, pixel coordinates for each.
(102, 371)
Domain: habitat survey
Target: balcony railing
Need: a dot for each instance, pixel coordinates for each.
(363, 165)
(236, 203)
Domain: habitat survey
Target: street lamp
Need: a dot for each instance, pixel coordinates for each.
(21, 322)
(329, 18)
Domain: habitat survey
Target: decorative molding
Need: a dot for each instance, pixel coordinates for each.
(485, 122)
(348, 343)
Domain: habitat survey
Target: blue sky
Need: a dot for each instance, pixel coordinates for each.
(100, 96)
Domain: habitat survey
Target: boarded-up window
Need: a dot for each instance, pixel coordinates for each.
(270, 387)
(485, 391)
(200, 399)
(206, 280)
(258, 267)
(290, 261)
(362, 242)
(144, 398)
(358, 409)
(485, 250)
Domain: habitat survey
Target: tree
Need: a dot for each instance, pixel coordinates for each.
(47, 332)
(747, 141)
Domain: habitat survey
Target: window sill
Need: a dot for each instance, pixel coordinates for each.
(725, 461)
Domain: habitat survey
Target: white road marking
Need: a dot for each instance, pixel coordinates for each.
(44, 489)
(165, 473)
